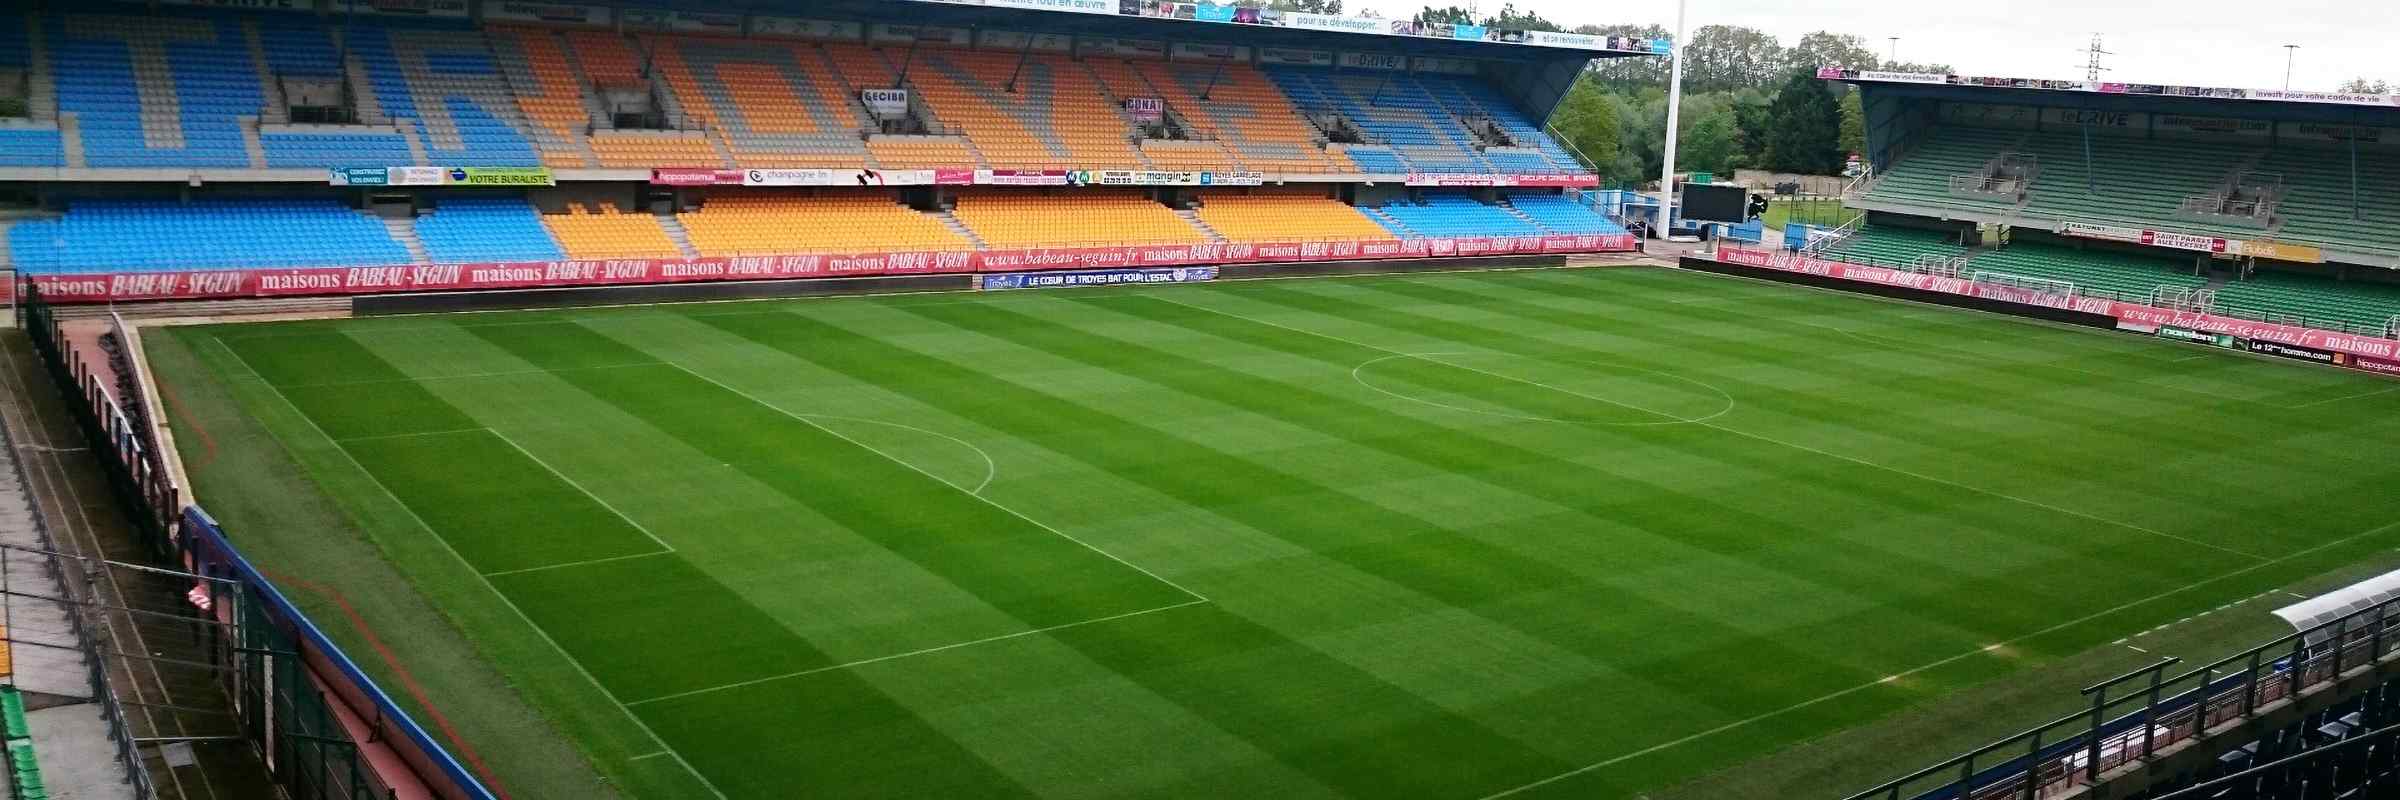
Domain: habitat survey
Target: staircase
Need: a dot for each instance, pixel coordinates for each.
(404, 230)
(956, 226)
(154, 83)
(251, 143)
(70, 138)
(416, 147)
(1388, 221)
(676, 233)
(1513, 211)
(274, 108)
(41, 88)
(1193, 217)
(516, 69)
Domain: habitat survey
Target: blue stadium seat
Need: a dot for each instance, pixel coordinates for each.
(1563, 215)
(483, 231)
(208, 61)
(1445, 215)
(165, 235)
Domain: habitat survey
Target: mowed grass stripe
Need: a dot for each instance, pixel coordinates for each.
(1008, 561)
(348, 391)
(2080, 438)
(501, 510)
(1345, 728)
(1390, 324)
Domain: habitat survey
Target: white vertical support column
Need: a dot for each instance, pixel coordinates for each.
(1666, 176)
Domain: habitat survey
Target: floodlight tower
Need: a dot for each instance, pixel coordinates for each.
(1666, 176)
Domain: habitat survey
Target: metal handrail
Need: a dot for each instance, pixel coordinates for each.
(2121, 729)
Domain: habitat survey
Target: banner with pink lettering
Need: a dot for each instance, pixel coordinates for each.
(2359, 346)
(238, 283)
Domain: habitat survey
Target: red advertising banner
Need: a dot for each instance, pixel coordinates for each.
(233, 283)
(1556, 180)
(2365, 348)
(695, 176)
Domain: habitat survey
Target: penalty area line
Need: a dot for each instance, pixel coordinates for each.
(1741, 723)
(912, 653)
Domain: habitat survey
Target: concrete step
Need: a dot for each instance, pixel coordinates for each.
(676, 233)
(251, 143)
(416, 146)
(70, 137)
(959, 227)
(404, 229)
(1193, 217)
(41, 93)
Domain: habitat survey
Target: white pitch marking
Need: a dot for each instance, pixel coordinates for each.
(1747, 435)
(583, 563)
(2297, 594)
(1934, 665)
(487, 582)
(2137, 649)
(991, 468)
(2385, 390)
(926, 651)
(647, 756)
(919, 470)
(662, 543)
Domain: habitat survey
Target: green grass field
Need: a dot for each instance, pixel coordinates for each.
(1586, 533)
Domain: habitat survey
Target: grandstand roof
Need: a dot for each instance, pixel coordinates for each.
(2275, 103)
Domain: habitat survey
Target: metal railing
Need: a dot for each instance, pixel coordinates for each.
(1835, 236)
(2136, 716)
(104, 693)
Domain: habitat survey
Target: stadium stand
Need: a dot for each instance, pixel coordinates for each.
(162, 235)
(1282, 217)
(1561, 214)
(24, 771)
(1057, 118)
(1253, 122)
(1084, 218)
(2316, 302)
(484, 231)
(2316, 203)
(1394, 109)
(444, 86)
(772, 104)
(1470, 98)
(2125, 275)
(831, 221)
(548, 91)
(155, 91)
(1887, 245)
(601, 231)
(1443, 215)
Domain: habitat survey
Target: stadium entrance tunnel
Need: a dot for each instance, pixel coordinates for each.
(1534, 389)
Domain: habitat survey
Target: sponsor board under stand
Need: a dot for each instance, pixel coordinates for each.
(501, 176)
(2294, 352)
(2181, 334)
(1046, 280)
(2374, 365)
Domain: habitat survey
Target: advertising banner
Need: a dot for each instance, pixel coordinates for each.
(2374, 365)
(454, 9)
(1389, 62)
(501, 176)
(1333, 22)
(2294, 352)
(1295, 57)
(1010, 177)
(797, 28)
(418, 176)
(595, 16)
(361, 176)
(953, 177)
(885, 103)
(1149, 110)
(2180, 334)
(2144, 236)
(2128, 314)
(1048, 280)
(1071, 6)
(695, 176)
(189, 285)
(1555, 180)
(249, 5)
(2282, 251)
(837, 177)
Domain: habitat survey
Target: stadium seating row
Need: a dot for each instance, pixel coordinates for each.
(161, 235)
(191, 87)
(2145, 183)
(2266, 294)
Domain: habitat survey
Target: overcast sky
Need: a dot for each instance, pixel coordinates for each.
(2190, 42)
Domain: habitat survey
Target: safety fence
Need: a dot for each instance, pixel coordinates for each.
(323, 726)
(2137, 716)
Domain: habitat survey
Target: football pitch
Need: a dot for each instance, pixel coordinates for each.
(1559, 533)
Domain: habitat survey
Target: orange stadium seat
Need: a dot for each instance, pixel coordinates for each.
(556, 100)
(1057, 119)
(605, 232)
(1086, 218)
(655, 149)
(834, 221)
(1286, 217)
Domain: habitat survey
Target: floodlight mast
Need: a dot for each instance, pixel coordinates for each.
(1666, 176)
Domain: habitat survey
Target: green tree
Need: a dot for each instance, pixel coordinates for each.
(1453, 15)
(2364, 86)
(1588, 124)
(1826, 49)
(1510, 19)
(1804, 127)
(1726, 57)
(1708, 140)
(1854, 124)
(1629, 72)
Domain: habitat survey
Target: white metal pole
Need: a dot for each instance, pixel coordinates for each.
(1666, 176)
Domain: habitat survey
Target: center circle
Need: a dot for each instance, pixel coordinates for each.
(1571, 392)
